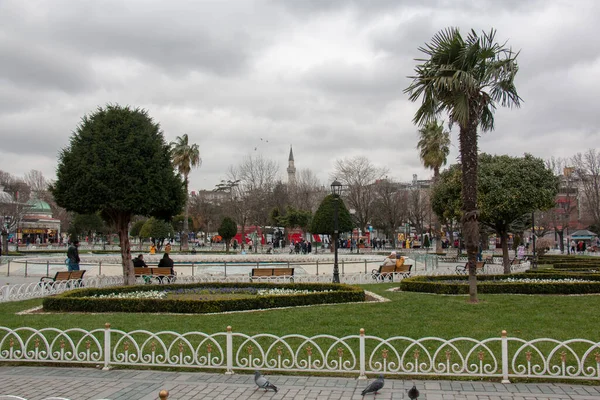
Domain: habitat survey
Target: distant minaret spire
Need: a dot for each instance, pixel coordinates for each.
(291, 169)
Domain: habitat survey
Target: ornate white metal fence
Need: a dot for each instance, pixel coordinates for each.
(501, 357)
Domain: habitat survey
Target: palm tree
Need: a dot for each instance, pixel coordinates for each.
(434, 147)
(466, 78)
(184, 157)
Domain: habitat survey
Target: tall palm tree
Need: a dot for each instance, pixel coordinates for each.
(467, 78)
(434, 147)
(185, 157)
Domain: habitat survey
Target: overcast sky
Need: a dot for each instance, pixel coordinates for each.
(254, 77)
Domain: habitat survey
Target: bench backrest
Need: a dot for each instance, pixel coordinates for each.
(386, 269)
(62, 276)
(77, 274)
(272, 271)
(161, 271)
(404, 268)
(262, 271)
(283, 271)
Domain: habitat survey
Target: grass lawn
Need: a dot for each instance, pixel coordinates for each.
(414, 315)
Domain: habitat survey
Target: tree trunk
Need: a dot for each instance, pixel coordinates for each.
(122, 222)
(505, 257)
(561, 235)
(470, 226)
(437, 226)
(186, 227)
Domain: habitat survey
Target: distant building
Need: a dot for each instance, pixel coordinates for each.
(291, 169)
(37, 226)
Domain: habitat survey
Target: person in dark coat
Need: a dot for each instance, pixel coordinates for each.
(73, 256)
(167, 262)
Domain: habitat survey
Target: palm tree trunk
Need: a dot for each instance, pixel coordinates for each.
(437, 226)
(470, 226)
(186, 227)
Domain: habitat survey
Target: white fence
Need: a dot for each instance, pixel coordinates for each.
(500, 357)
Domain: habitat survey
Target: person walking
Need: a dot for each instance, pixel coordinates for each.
(73, 256)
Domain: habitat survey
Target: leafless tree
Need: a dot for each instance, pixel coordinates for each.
(359, 175)
(308, 192)
(251, 196)
(587, 170)
(566, 202)
(419, 208)
(390, 208)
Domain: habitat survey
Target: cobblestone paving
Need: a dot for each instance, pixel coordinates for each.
(36, 383)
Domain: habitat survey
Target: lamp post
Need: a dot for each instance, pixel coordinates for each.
(336, 190)
(534, 261)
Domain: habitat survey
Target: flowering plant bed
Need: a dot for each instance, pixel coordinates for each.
(201, 297)
(548, 283)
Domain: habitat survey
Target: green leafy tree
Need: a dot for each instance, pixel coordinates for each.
(323, 221)
(87, 224)
(227, 231)
(118, 164)
(136, 228)
(157, 229)
(467, 78)
(434, 147)
(510, 188)
(185, 156)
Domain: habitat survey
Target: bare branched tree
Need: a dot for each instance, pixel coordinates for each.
(359, 176)
(587, 170)
(390, 207)
(308, 191)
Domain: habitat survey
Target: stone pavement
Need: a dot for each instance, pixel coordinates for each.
(35, 383)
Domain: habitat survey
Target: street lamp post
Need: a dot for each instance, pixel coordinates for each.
(534, 261)
(336, 190)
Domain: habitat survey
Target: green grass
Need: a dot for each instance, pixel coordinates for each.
(413, 315)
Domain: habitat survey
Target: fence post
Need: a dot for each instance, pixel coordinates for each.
(8, 269)
(7, 293)
(317, 267)
(225, 268)
(99, 267)
(342, 267)
(504, 358)
(362, 355)
(193, 267)
(47, 268)
(229, 351)
(106, 347)
(25, 268)
(365, 266)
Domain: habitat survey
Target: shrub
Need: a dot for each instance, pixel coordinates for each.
(80, 300)
(450, 284)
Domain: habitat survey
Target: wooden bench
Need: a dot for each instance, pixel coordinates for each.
(389, 270)
(272, 272)
(462, 270)
(65, 276)
(155, 272)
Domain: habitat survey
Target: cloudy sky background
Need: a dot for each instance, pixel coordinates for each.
(324, 76)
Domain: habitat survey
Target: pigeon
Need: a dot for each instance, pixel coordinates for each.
(374, 386)
(413, 393)
(263, 383)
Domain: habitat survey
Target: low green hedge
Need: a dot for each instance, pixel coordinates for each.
(79, 300)
(451, 284)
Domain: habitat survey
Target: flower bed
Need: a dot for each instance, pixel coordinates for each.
(179, 298)
(550, 283)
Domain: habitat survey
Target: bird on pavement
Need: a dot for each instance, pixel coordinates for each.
(413, 393)
(263, 383)
(374, 386)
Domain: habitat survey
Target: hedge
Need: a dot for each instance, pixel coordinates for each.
(79, 300)
(451, 284)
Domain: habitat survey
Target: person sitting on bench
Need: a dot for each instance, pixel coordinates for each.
(390, 260)
(139, 262)
(166, 262)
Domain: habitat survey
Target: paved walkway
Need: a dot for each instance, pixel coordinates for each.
(35, 383)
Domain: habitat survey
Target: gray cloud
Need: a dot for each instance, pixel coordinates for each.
(324, 76)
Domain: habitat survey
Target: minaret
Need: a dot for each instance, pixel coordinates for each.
(291, 169)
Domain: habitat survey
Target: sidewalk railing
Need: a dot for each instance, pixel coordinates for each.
(499, 357)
